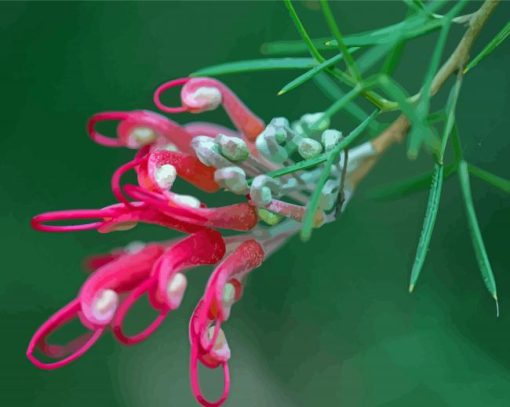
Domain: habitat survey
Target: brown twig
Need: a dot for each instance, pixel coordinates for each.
(397, 131)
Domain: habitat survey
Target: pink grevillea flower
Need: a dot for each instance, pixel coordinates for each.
(203, 94)
(209, 157)
(208, 341)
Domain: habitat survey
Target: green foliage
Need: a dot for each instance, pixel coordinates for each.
(379, 51)
(269, 64)
(490, 47)
(476, 235)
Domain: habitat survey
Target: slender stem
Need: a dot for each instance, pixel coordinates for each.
(377, 100)
(333, 27)
(399, 128)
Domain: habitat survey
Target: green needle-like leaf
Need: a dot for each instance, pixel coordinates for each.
(411, 28)
(302, 31)
(337, 106)
(436, 188)
(333, 92)
(306, 230)
(293, 47)
(490, 47)
(490, 178)
(333, 27)
(428, 224)
(476, 234)
(422, 130)
(409, 186)
(267, 64)
(311, 73)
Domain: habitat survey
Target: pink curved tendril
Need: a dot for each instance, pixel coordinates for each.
(188, 167)
(124, 274)
(164, 87)
(243, 118)
(195, 381)
(119, 172)
(105, 116)
(69, 352)
(164, 130)
(124, 308)
(111, 218)
(240, 216)
(204, 247)
(245, 258)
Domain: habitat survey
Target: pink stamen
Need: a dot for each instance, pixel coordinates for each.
(70, 352)
(121, 275)
(162, 88)
(119, 172)
(245, 258)
(115, 217)
(242, 117)
(188, 167)
(195, 382)
(205, 247)
(241, 216)
(163, 129)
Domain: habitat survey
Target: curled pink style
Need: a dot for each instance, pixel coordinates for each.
(94, 306)
(242, 216)
(112, 218)
(167, 282)
(158, 170)
(203, 94)
(208, 342)
(140, 128)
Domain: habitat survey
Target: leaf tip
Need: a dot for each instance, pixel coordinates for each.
(411, 288)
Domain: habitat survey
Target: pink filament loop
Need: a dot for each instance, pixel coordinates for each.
(98, 137)
(162, 88)
(119, 172)
(195, 381)
(38, 221)
(129, 301)
(71, 351)
(162, 205)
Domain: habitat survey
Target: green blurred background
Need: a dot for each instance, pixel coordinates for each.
(326, 323)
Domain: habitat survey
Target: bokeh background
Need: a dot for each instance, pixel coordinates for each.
(325, 323)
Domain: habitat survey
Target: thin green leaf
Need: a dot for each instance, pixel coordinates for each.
(436, 187)
(333, 92)
(450, 115)
(409, 186)
(302, 31)
(311, 209)
(476, 234)
(293, 47)
(428, 225)
(337, 106)
(309, 74)
(373, 55)
(490, 47)
(391, 62)
(412, 27)
(333, 27)
(422, 130)
(266, 64)
(490, 178)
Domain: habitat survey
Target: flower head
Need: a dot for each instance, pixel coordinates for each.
(258, 162)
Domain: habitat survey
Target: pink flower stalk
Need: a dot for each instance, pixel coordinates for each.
(209, 157)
